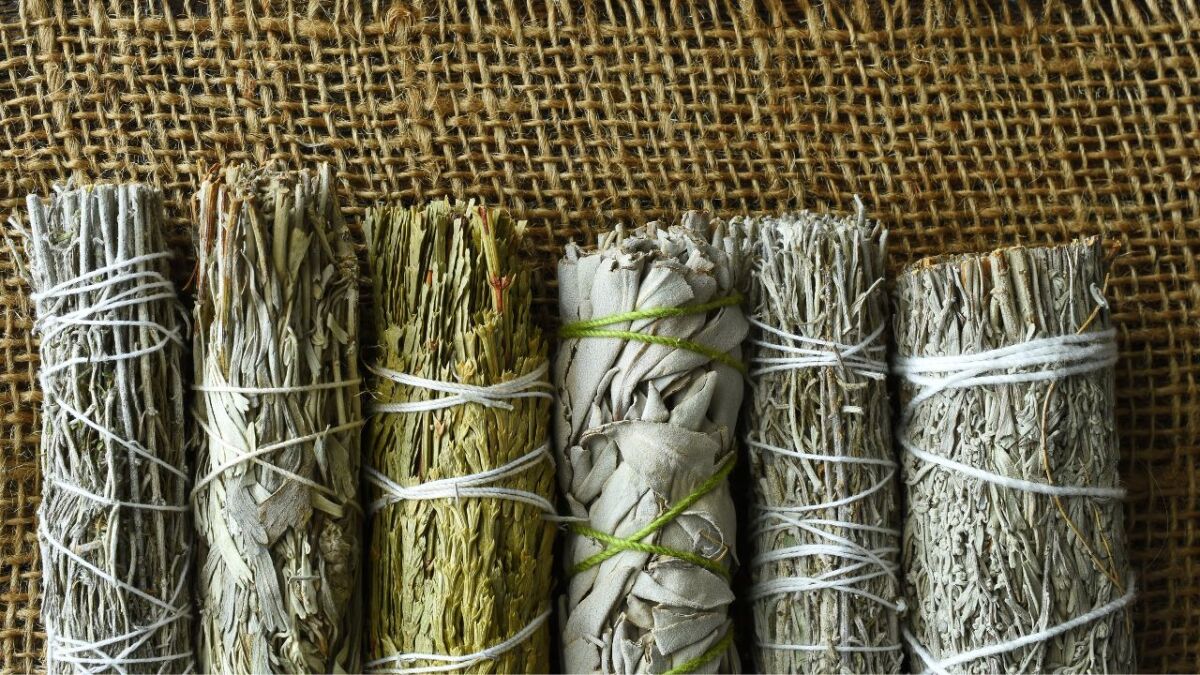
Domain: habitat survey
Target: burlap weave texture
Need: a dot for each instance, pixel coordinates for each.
(962, 129)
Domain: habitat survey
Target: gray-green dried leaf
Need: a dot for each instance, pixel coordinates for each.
(639, 428)
(277, 309)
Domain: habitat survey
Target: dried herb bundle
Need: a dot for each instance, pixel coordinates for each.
(825, 528)
(114, 528)
(1014, 549)
(278, 402)
(649, 388)
(461, 555)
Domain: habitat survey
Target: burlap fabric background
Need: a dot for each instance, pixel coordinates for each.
(961, 129)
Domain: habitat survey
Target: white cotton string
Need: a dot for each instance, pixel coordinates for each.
(1044, 359)
(859, 558)
(152, 286)
(243, 455)
(1051, 358)
(108, 501)
(1036, 487)
(69, 650)
(454, 662)
(60, 288)
(530, 385)
(941, 666)
(476, 485)
(857, 358)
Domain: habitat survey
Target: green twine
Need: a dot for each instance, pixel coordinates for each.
(592, 328)
(712, 653)
(634, 541)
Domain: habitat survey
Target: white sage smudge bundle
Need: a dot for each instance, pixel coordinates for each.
(824, 529)
(462, 477)
(1014, 548)
(113, 523)
(650, 386)
(277, 401)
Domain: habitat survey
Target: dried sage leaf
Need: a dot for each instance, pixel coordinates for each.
(645, 438)
(278, 407)
(113, 523)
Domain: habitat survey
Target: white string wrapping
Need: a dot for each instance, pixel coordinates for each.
(459, 662)
(85, 655)
(530, 385)
(940, 667)
(474, 486)
(1047, 359)
(864, 358)
(860, 559)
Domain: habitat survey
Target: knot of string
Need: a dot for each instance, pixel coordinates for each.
(531, 385)
(865, 358)
(1041, 360)
(594, 328)
(241, 455)
(144, 286)
(862, 563)
(479, 485)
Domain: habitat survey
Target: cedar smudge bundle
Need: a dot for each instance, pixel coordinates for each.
(278, 402)
(114, 529)
(649, 386)
(1014, 548)
(461, 552)
(824, 527)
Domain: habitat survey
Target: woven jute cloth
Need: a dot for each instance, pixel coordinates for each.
(961, 129)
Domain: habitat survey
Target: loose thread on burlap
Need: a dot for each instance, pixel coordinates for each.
(152, 287)
(857, 358)
(591, 328)
(633, 542)
(473, 486)
(1051, 359)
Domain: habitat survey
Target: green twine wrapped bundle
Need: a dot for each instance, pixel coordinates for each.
(649, 380)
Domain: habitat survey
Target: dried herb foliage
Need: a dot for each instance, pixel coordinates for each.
(985, 564)
(277, 401)
(114, 528)
(456, 576)
(824, 528)
(643, 427)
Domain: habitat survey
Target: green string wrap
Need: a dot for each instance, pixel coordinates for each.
(712, 653)
(593, 328)
(634, 541)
